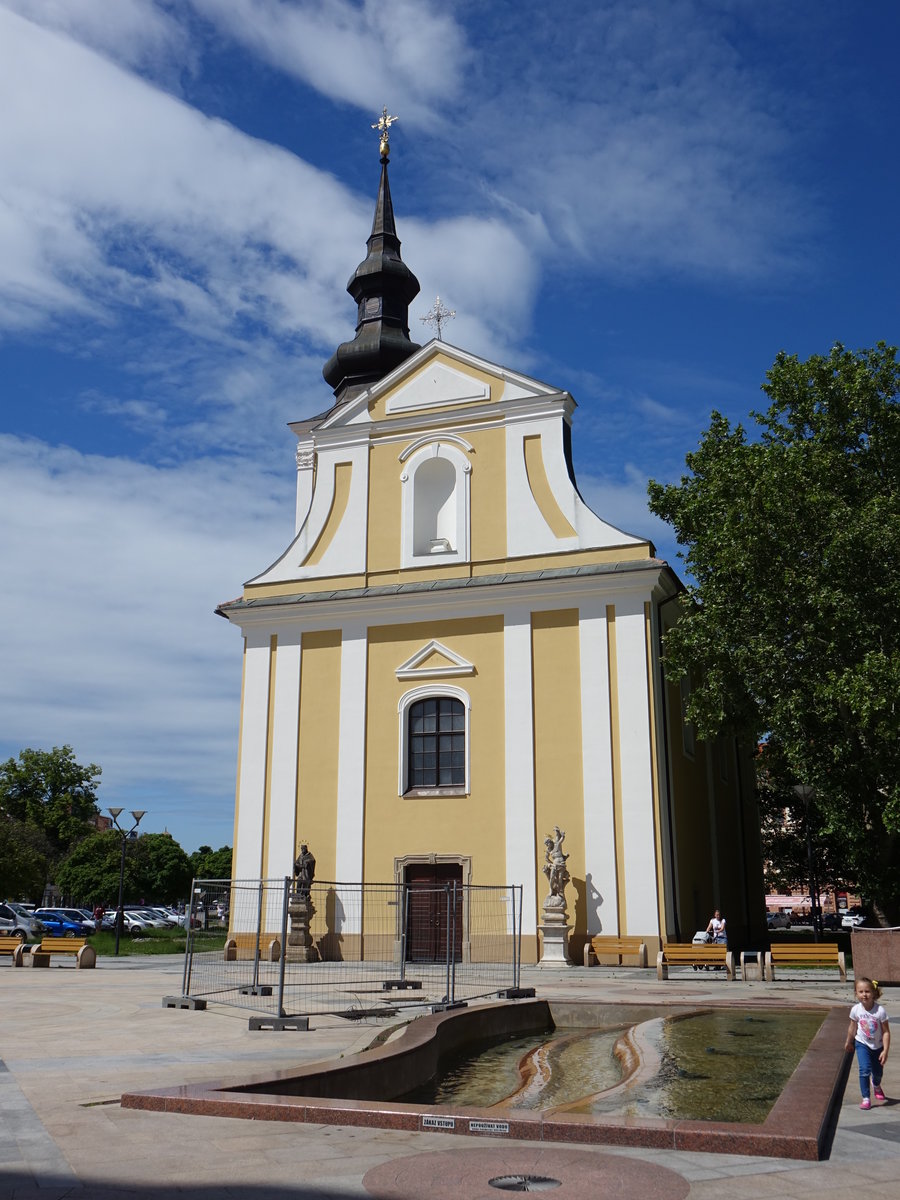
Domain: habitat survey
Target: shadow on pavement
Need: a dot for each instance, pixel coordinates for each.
(25, 1186)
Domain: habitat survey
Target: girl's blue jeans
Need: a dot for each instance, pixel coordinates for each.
(868, 1065)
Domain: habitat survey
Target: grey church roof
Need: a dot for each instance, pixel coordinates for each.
(446, 585)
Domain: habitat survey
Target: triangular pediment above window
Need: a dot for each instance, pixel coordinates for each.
(433, 661)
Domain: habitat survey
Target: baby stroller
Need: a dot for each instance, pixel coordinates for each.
(700, 938)
(703, 938)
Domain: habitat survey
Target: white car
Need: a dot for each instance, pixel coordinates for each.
(778, 920)
(150, 917)
(851, 920)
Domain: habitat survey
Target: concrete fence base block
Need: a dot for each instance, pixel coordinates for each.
(184, 1002)
(298, 1024)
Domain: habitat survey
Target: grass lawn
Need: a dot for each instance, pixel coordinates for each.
(156, 941)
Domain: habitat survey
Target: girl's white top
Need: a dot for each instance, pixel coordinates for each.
(869, 1025)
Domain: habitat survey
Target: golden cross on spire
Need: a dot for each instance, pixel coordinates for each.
(383, 125)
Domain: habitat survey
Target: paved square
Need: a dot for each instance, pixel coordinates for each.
(73, 1041)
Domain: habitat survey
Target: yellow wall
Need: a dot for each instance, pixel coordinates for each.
(385, 511)
(557, 753)
(690, 814)
(320, 684)
(488, 503)
(446, 825)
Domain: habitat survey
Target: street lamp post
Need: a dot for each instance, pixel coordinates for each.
(805, 793)
(137, 813)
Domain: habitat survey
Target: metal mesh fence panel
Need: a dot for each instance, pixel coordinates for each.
(250, 912)
(353, 948)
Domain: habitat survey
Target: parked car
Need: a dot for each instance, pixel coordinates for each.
(778, 920)
(852, 919)
(149, 918)
(19, 923)
(171, 919)
(79, 916)
(58, 925)
(831, 920)
(135, 923)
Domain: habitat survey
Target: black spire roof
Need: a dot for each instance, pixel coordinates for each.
(382, 286)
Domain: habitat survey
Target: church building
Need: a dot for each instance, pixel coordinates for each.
(455, 654)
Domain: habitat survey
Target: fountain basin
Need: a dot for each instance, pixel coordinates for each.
(364, 1089)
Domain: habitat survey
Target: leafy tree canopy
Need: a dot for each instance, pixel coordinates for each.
(50, 791)
(207, 863)
(157, 870)
(23, 869)
(90, 874)
(790, 629)
(165, 869)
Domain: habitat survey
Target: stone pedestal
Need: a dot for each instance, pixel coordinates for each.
(300, 946)
(554, 933)
(876, 954)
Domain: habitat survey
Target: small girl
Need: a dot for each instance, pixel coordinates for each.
(870, 1033)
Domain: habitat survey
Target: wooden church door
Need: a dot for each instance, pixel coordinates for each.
(430, 911)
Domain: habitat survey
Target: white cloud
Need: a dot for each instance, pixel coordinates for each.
(638, 137)
(408, 54)
(137, 33)
(628, 138)
(122, 200)
(112, 571)
(623, 502)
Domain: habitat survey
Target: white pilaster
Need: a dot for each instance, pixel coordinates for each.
(252, 778)
(637, 855)
(599, 812)
(283, 782)
(520, 845)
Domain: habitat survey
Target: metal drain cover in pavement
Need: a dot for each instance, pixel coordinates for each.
(524, 1183)
(465, 1172)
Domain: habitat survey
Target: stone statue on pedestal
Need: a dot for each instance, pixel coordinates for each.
(301, 909)
(555, 867)
(304, 870)
(554, 927)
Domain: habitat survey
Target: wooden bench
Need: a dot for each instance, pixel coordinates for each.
(688, 955)
(85, 955)
(805, 954)
(12, 946)
(621, 947)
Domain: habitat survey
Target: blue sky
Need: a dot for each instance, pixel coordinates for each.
(640, 202)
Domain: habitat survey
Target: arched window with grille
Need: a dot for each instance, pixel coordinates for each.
(434, 732)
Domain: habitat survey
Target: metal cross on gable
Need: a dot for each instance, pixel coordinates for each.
(437, 316)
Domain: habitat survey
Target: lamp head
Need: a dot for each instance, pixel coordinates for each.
(114, 813)
(137, 813)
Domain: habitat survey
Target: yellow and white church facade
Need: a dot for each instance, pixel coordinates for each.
(455, 654)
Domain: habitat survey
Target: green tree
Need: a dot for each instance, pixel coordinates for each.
(207, 863)
(783, 827)
(90, 873)
(790, 629)
(157, 870)
(164, 870)
(23, 869)
(50, 791)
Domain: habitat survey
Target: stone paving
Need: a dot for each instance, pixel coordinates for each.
(72, 1041)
